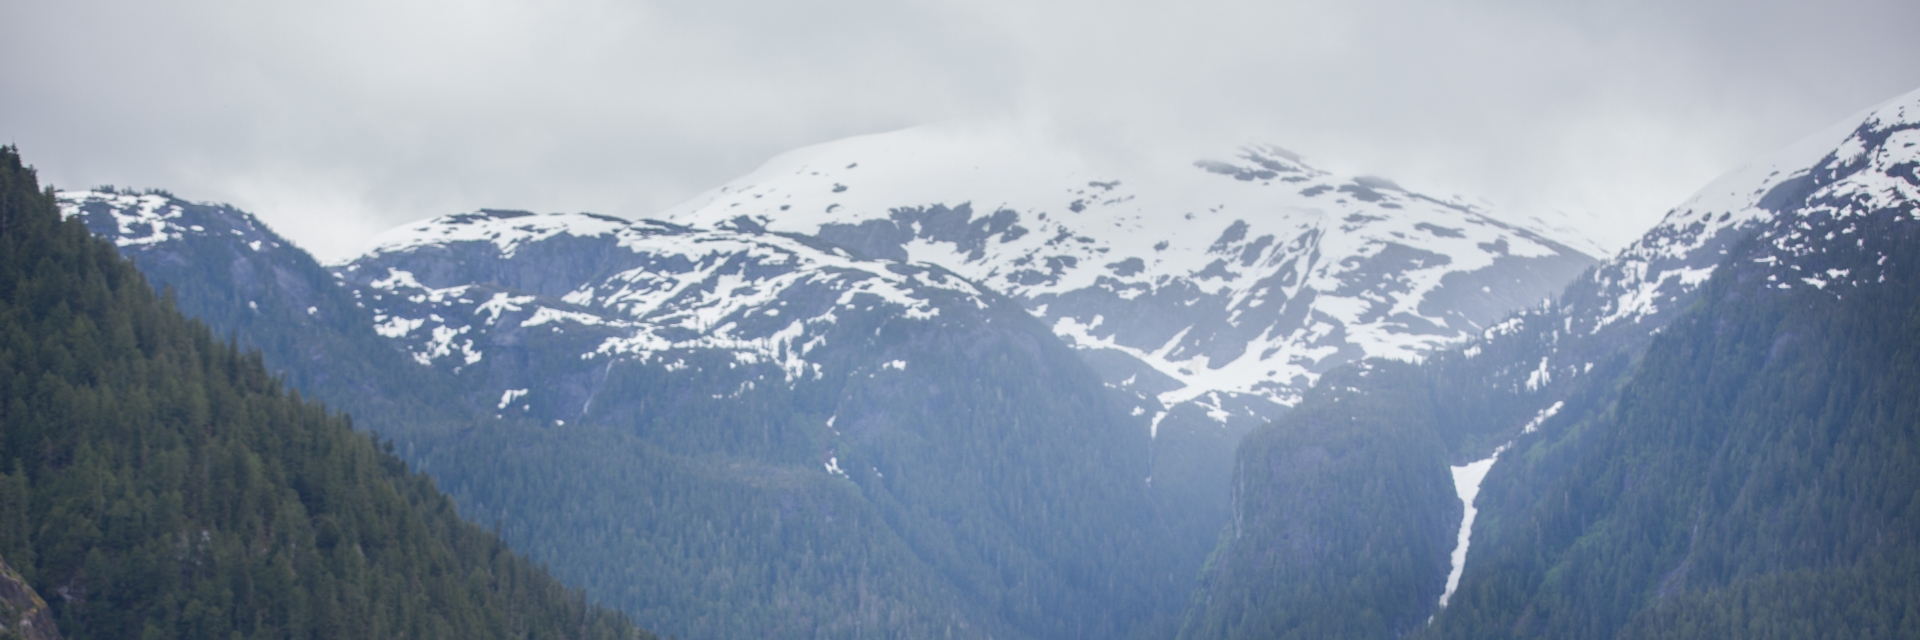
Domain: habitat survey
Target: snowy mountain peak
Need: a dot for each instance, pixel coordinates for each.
(1248, 275)
(1859, 165)
(506, 229)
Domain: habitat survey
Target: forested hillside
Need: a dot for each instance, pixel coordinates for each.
(159, 482)
(1757, 476)
(1710, 435)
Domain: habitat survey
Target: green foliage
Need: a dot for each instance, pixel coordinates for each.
(1859, 601)
(159, 483)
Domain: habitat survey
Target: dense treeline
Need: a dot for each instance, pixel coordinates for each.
(711, 548)
(159, 483)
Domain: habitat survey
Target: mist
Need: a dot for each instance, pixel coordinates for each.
(338, 120)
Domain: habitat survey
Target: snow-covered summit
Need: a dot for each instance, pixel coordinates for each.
(504, 229)
(1248, 274)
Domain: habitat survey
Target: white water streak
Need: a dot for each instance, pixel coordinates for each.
(1466, 483)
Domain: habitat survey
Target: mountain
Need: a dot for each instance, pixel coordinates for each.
(1227, 286)
(161, 483)
(1673, 445)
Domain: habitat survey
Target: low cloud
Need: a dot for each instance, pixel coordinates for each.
(336, 120)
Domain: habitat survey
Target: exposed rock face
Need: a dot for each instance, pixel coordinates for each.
(23, 614)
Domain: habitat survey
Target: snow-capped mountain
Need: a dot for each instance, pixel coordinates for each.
(1244, 277)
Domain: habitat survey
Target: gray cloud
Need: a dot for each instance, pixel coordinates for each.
(336, 120)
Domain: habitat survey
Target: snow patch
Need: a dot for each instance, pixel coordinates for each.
(1534, 424)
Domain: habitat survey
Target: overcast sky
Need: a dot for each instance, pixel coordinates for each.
(336, 120)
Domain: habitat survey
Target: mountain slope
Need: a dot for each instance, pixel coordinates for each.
(1758, 453)
(163, 484)
(1538, 391)
(229, 270)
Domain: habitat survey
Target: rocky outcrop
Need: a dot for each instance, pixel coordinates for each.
(23, 615)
